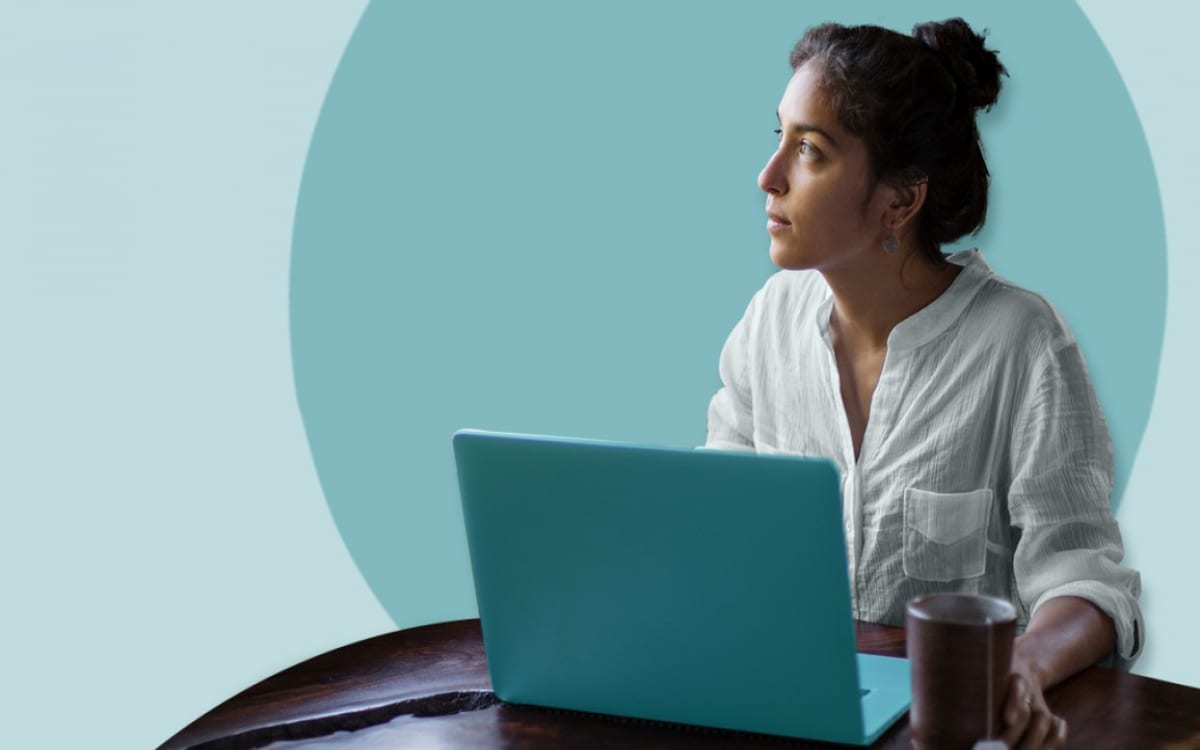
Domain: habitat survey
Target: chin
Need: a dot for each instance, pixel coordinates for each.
(788, 258)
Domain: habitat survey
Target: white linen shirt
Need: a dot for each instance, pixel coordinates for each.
(985, 466)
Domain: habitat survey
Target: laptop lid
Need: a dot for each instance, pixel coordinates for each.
(700, 587)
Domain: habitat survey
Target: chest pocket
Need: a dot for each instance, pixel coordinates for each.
(945, 534)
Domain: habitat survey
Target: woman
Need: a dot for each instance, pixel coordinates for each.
(974, 454)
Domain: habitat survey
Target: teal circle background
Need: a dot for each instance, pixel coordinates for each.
(544, 218)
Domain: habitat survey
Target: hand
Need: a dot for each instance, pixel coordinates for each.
(1029, 725)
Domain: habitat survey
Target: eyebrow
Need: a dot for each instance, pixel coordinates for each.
(800, 128)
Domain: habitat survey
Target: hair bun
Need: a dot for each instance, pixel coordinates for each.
(975, 68)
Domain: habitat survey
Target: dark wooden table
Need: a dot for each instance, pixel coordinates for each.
(430, 684)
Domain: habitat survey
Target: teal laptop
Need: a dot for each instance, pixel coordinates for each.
(689, 586)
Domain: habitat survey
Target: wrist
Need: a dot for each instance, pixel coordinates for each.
(1027, 661)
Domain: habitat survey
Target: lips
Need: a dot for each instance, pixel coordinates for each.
(776, 223)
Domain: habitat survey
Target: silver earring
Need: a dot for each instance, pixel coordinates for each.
(891, 244)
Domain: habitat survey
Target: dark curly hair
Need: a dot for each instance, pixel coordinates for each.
(913, 99)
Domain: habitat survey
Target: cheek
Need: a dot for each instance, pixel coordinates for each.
(834, 213)
(849, 206)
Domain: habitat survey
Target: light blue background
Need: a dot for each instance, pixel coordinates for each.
(165, 542)
(559, 242)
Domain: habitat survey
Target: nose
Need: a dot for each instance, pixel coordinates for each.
(772, 179)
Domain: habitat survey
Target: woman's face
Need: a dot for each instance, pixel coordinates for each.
(824, 208)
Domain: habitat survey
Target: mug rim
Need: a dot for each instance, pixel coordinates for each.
(1004, 611)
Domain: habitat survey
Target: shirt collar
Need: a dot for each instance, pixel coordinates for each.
(932, 320)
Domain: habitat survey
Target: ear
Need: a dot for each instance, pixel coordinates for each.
(904, 202)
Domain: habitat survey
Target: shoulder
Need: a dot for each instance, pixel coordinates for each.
(1011, 313)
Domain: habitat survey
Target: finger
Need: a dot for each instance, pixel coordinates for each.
(1040, 727)
(1017, 711)
(1017, 719)
(1016, 716)
(1058, 737)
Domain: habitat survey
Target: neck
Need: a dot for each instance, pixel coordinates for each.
(869, 302)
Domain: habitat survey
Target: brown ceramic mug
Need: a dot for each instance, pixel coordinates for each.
(960, 647)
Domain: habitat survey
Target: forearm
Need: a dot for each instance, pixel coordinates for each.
(1066, 635)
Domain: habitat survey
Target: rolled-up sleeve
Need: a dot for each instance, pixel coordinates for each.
(1059, 499)
(731, 410)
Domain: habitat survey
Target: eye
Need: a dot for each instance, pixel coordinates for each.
(804, 148)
